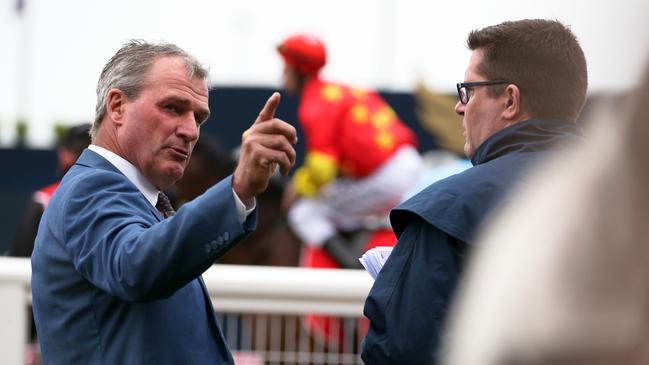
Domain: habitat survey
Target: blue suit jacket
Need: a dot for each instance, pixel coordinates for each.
(115, 283)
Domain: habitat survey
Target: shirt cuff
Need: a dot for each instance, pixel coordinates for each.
(242, 212)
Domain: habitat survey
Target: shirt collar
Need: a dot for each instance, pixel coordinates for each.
(131, 172)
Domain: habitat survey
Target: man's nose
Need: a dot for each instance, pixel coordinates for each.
(188, 128)
(459, 108)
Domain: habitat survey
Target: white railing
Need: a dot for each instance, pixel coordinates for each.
(287, 290)
(240, 290)
(15, 295)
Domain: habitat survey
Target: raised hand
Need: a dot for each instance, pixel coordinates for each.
(266, 144)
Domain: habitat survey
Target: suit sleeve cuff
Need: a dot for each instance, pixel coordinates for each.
(242, 212)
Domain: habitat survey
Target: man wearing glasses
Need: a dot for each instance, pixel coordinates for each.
(523, 90)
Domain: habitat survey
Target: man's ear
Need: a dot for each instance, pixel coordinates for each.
(115, 105)
(513, 108)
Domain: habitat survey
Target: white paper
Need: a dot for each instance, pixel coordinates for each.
(374, 259)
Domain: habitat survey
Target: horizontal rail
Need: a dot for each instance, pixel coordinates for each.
(233, 289)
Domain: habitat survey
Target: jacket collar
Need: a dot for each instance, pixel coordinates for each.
(91, 158)
(527, 136)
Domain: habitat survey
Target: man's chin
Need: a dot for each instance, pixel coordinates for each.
(171, 174)
(176, 173)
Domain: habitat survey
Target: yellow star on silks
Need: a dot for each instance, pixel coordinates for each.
(385, 140)
(382, 118)
(332, 92)
(360, 113)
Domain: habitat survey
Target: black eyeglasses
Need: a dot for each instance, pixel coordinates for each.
(463, 88)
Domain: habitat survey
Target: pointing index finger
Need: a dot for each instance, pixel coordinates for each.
(268, 111)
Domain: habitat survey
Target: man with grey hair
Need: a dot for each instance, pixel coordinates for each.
(116, 272)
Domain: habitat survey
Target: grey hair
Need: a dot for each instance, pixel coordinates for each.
(128, 68)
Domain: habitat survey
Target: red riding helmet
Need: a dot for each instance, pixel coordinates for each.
(304, 52)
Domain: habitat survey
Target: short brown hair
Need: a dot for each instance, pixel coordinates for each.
(543, 58)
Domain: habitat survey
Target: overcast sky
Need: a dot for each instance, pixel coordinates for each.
(53, 51)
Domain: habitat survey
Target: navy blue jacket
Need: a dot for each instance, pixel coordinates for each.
(115, 283)
(408, 302)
